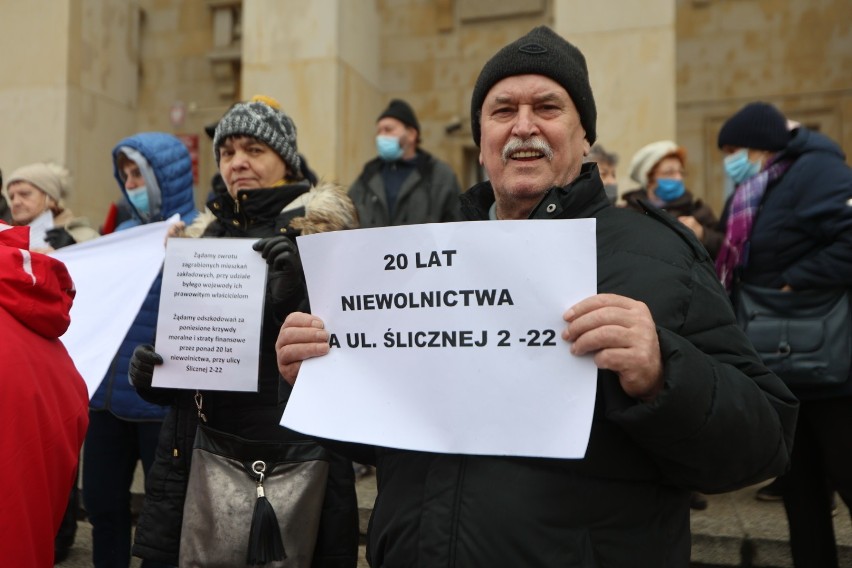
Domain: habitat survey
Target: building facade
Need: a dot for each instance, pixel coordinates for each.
(78, 75)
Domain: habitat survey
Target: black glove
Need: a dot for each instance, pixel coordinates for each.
(142, 363)
(58, 238)
(286, 280)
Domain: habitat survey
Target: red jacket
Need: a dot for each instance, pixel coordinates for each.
(43, 401)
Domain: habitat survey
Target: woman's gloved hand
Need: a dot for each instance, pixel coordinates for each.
(286, 281)
(58, 238)
(142, 364)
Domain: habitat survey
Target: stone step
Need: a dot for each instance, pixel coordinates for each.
(734, 530)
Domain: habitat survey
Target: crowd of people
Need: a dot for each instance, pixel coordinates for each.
(684, 404)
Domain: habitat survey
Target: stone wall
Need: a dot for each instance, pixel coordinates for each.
(81, 74)
(796, 55)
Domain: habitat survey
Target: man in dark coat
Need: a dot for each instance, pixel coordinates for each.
(405, 184)
(683, 402)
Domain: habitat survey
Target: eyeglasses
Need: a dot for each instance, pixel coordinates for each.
(670, 173)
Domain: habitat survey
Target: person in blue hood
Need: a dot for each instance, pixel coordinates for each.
(154, 174)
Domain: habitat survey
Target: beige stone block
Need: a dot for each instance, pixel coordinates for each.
(409, 17)
(478, 43)
(36, 117)
(632, 76)
(581, 16)
(308, 92)
(404, 48)
(489, 9)
(105, 55)
(397, 77)
(761, 49)
(95, 125)
(451, 74)
(359, 108)
(360, 38)
(35, 36)
(286, 30)
(162, 17)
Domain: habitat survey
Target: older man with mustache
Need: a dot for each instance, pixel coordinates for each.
(683, 402)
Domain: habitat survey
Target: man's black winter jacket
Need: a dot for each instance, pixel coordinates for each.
(722, 421)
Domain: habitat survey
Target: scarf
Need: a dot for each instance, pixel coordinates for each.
(744, 205)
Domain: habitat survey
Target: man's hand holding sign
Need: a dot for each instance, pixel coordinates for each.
(620, 332)
(449, 342)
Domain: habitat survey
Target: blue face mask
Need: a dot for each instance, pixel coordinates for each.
(739, 168)
(669, 189)
(139, 199)
(389, 148)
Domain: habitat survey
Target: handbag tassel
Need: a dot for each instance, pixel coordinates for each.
(265, 544)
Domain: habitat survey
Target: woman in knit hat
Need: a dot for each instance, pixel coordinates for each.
(658, 168)
(269, 198)
(788, 226)
(36, 194)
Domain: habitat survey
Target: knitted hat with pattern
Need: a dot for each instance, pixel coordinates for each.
(262, 119)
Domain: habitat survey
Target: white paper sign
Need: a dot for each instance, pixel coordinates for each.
(447, 338)
(211, 311)
(112, 275)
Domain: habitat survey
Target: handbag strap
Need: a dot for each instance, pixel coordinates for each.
(199, 403)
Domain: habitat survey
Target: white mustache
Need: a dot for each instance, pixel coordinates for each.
(531, 144)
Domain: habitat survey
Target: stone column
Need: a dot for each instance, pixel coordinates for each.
(630, 52)
(69, 90)
(320, 59)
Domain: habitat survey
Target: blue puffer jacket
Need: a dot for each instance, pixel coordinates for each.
(167, 169)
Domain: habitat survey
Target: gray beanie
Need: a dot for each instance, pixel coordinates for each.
(540, 52)
(263, 119)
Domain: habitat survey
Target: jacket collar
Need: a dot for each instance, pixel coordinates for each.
(255, 206)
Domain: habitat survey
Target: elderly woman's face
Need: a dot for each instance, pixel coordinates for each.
(667, 168)
(247, 163)
(27, 202)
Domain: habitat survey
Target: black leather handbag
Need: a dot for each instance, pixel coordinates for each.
(252, 502)
(803, 337)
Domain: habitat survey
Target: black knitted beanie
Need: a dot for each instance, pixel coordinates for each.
(401, 111)
(541, 52)
(759, 126)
